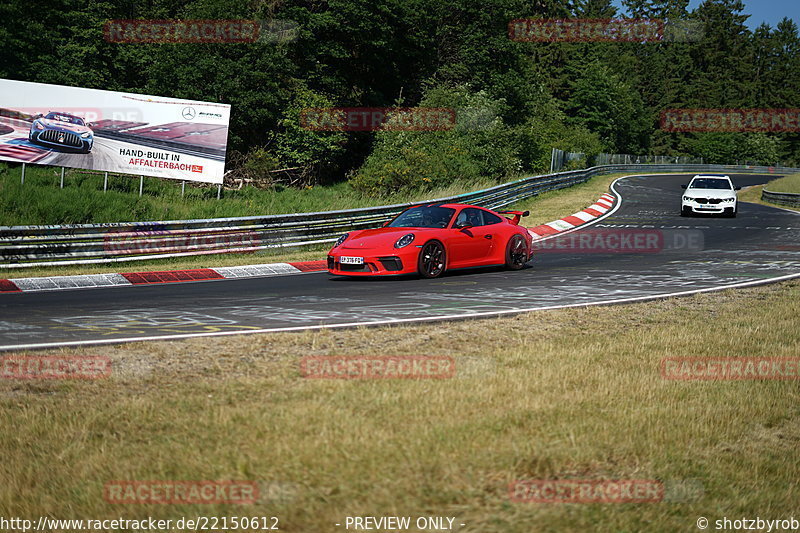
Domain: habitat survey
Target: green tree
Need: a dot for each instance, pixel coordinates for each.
(608, 106)
(481, 145)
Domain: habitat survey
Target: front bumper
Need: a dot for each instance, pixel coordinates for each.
(392, 263)
(689, 206)
(70, 141)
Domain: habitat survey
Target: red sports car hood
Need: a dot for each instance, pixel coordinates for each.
(379, 238)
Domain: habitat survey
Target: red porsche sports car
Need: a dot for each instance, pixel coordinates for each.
(430, 239)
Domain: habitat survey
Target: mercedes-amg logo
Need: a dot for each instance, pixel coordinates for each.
(188, 113)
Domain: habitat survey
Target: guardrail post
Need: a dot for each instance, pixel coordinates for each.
(62, 177)
(141, 185)
(183, 188)
(105, 182)
(23, 174)
(219, 191)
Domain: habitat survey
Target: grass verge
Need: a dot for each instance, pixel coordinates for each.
(790, 183)
(82, 200)
(566, 394)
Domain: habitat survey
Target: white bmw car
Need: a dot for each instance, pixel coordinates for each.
(711, 194)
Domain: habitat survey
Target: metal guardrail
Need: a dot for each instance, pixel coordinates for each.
(29, 246)
(781, 198)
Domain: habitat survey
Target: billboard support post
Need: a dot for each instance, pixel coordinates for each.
(141, 184)
(183, 188)
(219, 191)
(62, 177)
(105, 181)
(23, 174)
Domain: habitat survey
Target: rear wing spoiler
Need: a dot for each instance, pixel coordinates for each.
(517, 215)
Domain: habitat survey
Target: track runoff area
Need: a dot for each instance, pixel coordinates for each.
(640, 249)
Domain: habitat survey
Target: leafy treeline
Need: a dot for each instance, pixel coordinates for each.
(516, 100)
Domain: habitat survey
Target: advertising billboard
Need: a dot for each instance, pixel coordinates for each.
(112, 131)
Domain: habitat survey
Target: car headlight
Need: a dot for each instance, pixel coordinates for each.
(404, 241)
(729, 199)
(39, 126)
(341, 239)
(688, 199)
(85, 134)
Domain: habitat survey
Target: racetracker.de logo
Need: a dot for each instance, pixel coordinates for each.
(54, 367)
(730, 368)
(604, 241)
(378, 118)
(61, 113)
(731, 120)
(165, 241)
(372, 367)
(181, 492)
(586, 491)
(621, 241)
(181, 31)
(603, 30)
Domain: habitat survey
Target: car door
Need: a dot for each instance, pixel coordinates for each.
(472, 245)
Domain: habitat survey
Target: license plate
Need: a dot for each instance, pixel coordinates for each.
(345, 260)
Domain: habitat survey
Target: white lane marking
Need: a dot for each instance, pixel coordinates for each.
(293, 272)
(586, 217)
(397, 320)
(560, 225)
(604, 202)
(607, 214)
(54, 283)
(252, 271)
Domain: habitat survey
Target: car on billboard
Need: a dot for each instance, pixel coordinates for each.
(430, 239)
(710, 194)
(62, 130)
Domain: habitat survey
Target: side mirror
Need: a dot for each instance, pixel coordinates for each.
(684, 186)
(737, 188)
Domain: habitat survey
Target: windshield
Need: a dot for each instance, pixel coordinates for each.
(710, 183)
(423, 217)
(65, 118)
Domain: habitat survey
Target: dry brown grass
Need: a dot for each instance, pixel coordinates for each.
(571, 393)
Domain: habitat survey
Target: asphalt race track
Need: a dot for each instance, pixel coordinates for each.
(104, 154)
(692, 254)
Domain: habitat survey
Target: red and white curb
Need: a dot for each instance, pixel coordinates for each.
(54, 283)
(597, 209)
